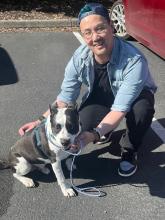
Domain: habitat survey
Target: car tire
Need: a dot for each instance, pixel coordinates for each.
(118, 18)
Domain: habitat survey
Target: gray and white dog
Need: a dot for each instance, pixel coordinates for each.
(45, 144)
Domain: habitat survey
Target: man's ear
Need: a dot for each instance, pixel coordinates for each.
(112, 26)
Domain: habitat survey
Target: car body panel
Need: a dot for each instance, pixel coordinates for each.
(145, 21)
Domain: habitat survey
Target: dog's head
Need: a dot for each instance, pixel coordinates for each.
(65, 125)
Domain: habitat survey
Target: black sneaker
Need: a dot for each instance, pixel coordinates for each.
(104, 139)
(128, 164)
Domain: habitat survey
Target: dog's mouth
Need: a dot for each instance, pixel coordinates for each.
(67, 148)
(72, 148)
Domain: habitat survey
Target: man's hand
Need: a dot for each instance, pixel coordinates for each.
(86, 137)
(27, 127)
(82, 140)
(61, 104)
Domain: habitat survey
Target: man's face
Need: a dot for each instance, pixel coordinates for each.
(98, 35)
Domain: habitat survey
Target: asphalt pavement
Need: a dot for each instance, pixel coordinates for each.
(32, 68)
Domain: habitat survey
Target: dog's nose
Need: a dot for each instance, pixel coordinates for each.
(65, 142)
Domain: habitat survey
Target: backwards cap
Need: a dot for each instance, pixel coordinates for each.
(93, 8)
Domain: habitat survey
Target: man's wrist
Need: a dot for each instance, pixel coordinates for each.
(41, 118)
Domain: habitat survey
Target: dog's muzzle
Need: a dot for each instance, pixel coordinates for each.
(65, 143)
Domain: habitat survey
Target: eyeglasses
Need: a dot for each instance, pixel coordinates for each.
(100, 29)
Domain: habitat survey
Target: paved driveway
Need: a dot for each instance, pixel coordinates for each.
(32, 67)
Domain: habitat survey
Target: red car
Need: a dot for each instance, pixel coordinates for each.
(142, 19)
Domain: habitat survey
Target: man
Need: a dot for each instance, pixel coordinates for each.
(119, 85)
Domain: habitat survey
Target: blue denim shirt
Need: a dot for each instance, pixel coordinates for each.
(127, 71)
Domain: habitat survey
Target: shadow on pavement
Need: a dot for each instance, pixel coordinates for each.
(6, 190)
(8, 72)
(101, 166)
(98, 168)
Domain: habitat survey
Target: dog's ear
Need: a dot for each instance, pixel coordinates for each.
(53, 109)
(73, 106)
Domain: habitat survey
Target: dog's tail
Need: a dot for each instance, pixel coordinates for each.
(4, 165)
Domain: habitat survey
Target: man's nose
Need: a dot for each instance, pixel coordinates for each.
(95, 36)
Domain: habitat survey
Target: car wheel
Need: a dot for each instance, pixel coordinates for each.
(118, 18)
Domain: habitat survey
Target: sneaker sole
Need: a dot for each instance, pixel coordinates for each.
(127, 175)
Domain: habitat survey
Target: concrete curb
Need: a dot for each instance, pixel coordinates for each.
(70, 22)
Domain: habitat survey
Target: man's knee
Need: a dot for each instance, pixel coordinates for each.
(91, 115)
(142, 111)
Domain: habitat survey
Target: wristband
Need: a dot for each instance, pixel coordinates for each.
(41, 118)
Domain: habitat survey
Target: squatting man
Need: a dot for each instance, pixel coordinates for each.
(119, 86)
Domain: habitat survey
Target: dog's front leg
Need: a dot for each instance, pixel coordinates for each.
(66, 189)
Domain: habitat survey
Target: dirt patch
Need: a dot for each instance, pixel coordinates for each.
(33, 10)
(41, 10)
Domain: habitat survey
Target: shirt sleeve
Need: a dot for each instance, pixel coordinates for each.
(71, 85)
(134, 78)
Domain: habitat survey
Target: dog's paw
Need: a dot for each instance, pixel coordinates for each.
(25, 180)
(29, 183)
(69, 192)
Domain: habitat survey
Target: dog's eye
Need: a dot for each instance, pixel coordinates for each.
(58, 127)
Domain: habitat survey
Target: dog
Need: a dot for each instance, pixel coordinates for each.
(47, 143)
